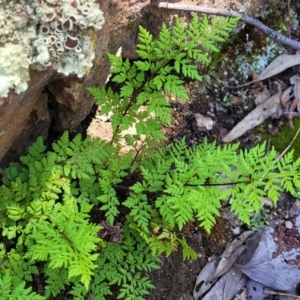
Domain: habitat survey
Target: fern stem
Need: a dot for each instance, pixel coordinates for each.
(137, 154)
(289, 146)
(131, 102)
(220, 184)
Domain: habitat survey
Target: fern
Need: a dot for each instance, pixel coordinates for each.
(56, 280)
(66, 243)
(193, 186)
(15, 290)
(147, 81)
(124, 264)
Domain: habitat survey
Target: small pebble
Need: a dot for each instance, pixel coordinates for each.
(288, 225)
(236, 230)
(204, 122)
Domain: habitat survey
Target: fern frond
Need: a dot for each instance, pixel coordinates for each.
(10, 289)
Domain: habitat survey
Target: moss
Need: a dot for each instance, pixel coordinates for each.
(284, 137)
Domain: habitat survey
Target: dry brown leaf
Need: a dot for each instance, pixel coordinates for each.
(254, 118)
(262, 96)
(278, 65)
(203, 283)
(257, 116)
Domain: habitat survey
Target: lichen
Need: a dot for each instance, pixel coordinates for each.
(42, 34)
(256, 62)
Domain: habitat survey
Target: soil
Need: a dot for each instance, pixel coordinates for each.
(176, 278)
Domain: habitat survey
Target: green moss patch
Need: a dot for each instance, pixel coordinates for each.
(284, 137)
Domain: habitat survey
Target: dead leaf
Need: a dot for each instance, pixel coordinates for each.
(235, 280)
(216, 293)
(274, 272)
(256, 290)
(293, 79)
(278, 65)
(225, 264)
(257, 116)
(236, 243)
(226, 287)
(254, 118)
(212, 278)
(271, 262)
(262, 96)
(202, 282)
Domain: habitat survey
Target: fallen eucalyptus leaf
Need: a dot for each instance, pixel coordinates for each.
(217, 291)
(254, 118)
(237, 242)
(269, 263)
(203, 284)
(258, 115)
(226, 287)
(235, 280)
(256, 290)
(262, 96)
(273, 264)
(293, 79)
(225, 264)
(209, 277)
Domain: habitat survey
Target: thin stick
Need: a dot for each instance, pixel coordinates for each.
(270, 292)
(231, 13)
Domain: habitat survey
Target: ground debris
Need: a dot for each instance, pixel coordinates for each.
(268, 264)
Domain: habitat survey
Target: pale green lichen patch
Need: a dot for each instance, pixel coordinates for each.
(45, 33)
(254, 61)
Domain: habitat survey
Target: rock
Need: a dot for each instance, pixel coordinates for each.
(23, 118)
(204, 123)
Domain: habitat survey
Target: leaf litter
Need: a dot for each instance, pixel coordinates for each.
(268, 264)
(271, 106)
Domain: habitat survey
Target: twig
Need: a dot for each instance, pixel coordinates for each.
(231, 13)
(270, 292)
